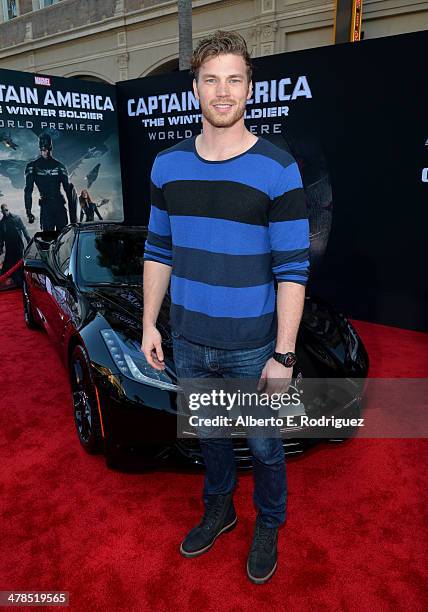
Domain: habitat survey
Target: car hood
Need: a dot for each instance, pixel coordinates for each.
(122, 307)
(322, 326)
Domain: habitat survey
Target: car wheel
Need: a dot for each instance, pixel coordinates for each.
(30, 320)
(85, 407)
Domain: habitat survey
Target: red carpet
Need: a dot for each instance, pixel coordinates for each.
(355, 537)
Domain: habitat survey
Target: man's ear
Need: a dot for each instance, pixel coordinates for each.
(195, 89)
(250, 91)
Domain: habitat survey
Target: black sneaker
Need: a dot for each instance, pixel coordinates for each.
(263, 557)
(219, 517)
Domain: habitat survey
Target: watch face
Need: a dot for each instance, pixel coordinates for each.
(288, 360)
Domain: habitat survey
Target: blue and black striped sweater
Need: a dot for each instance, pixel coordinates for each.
(227, 228)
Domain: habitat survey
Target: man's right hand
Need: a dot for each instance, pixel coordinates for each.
(151, 346)
(31, 217)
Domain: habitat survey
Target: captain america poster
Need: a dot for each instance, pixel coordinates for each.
(59, 156)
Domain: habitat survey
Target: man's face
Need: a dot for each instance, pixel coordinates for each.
(4, 210)
(45, 153)
(222, 89)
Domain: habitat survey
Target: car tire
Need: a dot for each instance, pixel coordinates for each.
(85, 405)
(30, 319)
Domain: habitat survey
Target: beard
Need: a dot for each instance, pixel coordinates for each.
(219, 120)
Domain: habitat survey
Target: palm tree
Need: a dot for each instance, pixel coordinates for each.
(185, 45)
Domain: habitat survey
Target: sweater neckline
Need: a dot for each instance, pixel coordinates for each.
(222, 161)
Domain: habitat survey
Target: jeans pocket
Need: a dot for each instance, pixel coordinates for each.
(263, 353)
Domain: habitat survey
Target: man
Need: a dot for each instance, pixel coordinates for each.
(228, 214)
(11, 231)
(48, 174)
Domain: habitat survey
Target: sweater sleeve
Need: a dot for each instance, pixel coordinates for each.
(289, 227)
(158, 244)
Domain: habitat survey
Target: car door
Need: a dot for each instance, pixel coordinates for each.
(57, 287)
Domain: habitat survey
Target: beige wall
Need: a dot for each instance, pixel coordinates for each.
(122, 39)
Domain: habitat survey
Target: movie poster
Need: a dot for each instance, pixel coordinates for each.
(59, 151)
(356, 128)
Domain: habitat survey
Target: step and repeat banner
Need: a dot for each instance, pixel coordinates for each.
(355, 118)
(353, 115)
(59, 156)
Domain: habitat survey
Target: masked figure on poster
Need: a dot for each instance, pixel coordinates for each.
(12, 231)
(48, 174)
(88, 208)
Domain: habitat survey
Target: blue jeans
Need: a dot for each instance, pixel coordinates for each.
(270, 484)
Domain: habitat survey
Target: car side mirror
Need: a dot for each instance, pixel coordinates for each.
(70, 285)
(67, 280)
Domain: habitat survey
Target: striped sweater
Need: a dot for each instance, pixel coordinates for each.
(228, 229)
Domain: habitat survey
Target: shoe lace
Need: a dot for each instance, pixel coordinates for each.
(212, 513)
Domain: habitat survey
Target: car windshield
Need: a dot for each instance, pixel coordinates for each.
(111, 256)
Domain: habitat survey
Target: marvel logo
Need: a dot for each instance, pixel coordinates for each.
(42, 80)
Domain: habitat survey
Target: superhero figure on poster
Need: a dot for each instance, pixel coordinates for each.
(48, 174)
(88, 208)
(11, 231)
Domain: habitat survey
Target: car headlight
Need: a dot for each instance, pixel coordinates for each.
(132, 363)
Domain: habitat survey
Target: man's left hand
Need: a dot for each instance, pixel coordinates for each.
(275, 378)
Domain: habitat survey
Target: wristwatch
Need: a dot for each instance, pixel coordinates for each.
(286, 359)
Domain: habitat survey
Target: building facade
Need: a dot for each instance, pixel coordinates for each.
(116, 40)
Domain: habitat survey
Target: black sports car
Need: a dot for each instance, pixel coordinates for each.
(84, 286)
